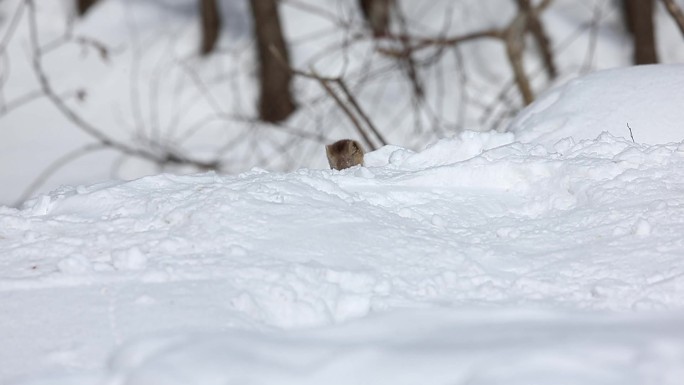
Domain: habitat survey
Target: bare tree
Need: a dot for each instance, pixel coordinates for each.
(275, 98)
(210, 20)
(82, 6)
(435, 86)
(377, 15)
(639, 21)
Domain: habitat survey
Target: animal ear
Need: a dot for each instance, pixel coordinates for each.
(355, 147)
(349, 146)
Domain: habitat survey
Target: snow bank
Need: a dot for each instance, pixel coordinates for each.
(423, 347)
(233, 272)
(648, 98)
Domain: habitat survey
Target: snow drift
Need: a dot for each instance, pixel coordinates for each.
(647, 98)
(479, 260)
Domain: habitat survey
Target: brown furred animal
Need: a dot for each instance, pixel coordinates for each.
(344, 153)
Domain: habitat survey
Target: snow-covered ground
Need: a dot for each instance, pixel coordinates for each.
(643, 99)
(551, 254)
(480, 260)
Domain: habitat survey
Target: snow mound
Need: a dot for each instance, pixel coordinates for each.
(648, 98)
(317, 276)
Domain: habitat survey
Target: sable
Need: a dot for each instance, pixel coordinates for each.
(344, 153)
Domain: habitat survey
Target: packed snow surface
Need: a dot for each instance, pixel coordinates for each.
(479, 260)
(648, 99)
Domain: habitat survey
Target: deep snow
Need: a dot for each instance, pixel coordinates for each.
(645, 98)
(479, 260)
(552, 254)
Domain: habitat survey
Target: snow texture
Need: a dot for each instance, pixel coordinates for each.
(647, 98)
(479, 260)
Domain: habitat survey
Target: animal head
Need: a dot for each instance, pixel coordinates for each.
(344, 153)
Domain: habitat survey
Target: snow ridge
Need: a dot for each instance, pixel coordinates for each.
(471, 222)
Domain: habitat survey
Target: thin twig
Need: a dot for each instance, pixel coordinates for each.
(12, 27)
(352, 100)
(53, 168)
(71, 115)
(593, 39)
(419, 43)
(407, 59)
(514, 49)
(326, 86)
(676, 12)
(20, 101)
(536, 28)
(512, 36)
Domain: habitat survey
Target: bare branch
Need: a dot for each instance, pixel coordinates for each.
(515, 44)
(419, 43)
(512, 36)
(676, 13)
(593, 39)
(54, 167)
(103, 139)
(352, 100)
(407, 60)
(23, 100)
(12, 27)
(326, 86)
(537, 30)
(350, 112)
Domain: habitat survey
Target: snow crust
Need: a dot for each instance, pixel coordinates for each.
(647, 98)
(479, 260)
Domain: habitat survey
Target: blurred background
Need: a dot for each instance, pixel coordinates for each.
(93, 90)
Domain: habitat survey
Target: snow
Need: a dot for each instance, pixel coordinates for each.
(145, 92)
(647, 98)
(480, 260)
(548, 254)
(443, 350)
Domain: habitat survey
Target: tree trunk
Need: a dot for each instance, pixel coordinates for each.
(639, 21)
(275, 99)
(377, 15)
(211, 25)
(82, 6)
